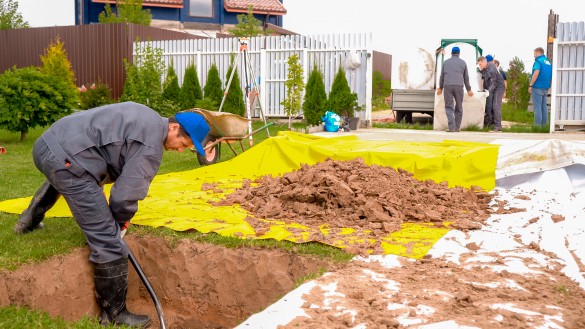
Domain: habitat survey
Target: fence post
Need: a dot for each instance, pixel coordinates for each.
(369, 68)
(263, 78)
(305, 60)
(198, 65)
(553, 101)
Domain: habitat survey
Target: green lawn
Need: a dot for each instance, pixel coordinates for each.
(20, 178)
(18, 318)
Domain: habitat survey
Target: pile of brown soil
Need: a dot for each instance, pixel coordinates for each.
(367, 198)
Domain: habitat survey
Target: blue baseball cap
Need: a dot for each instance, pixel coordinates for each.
(455, 50)
(489, 58)
(196, 126)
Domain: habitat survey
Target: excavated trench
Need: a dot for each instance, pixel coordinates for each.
(199, 285)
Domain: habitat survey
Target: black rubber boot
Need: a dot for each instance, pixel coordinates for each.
(111, 285)
(43, 200)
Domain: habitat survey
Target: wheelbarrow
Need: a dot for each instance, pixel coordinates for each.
(223, 127)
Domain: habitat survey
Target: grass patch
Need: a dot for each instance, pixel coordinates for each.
(319, 273)
(12, 317)
(526, 129)
(474, 128)
(509, 113)
(59, 236)
(394, 125)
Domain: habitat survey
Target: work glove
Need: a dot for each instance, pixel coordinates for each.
(124, 228)
(487, 93)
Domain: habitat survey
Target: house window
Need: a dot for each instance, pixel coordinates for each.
(201, 8)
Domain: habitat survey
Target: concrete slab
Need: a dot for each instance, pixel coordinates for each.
(437, 136)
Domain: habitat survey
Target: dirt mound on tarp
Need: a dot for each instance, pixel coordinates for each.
(199, 285)
(352, 194)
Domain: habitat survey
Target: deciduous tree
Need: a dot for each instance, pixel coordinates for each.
(10, 18)
(294, 88)
(248, 25)
(127, 11)
(29, 98)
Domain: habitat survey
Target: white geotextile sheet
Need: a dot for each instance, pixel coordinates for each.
(517, 157)
(558, 188)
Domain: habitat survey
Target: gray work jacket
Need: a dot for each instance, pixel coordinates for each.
(121, 143)
(454, 73)
(492, 78)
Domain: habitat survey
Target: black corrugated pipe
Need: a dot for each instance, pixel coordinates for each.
(144, 279)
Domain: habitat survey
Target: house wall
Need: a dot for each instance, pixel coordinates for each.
(220, 16)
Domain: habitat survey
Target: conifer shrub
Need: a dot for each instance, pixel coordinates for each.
(315, 102)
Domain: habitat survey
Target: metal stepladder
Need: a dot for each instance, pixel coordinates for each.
(251, 86)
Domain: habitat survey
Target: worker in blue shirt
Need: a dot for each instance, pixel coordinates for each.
(539, 85)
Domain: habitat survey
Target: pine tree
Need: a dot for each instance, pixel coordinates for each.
(56, 63)
(212, 89)
(171, 89)
(518, 82)
(191, 89)
(234, 101)
(315, 103)
(341, 100)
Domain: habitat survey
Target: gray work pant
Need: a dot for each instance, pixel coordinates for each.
(85, 198)
(488, 119)
(454, 112)
(497, 108)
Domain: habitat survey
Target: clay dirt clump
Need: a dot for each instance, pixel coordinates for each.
(350, 194)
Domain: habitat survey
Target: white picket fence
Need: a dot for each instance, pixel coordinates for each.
(269, 55)
(568, 79)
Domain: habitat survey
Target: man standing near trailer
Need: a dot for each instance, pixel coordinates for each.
(454, 76)
(495, 87)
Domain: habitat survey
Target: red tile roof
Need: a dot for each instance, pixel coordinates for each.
(151, 3)
(273, 7)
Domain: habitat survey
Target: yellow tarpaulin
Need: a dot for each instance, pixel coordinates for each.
(177, 201)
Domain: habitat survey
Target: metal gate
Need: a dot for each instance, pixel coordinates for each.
(269, 55)
(568, 78)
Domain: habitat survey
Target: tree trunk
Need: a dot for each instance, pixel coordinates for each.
(22, 135)
(290, 115)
